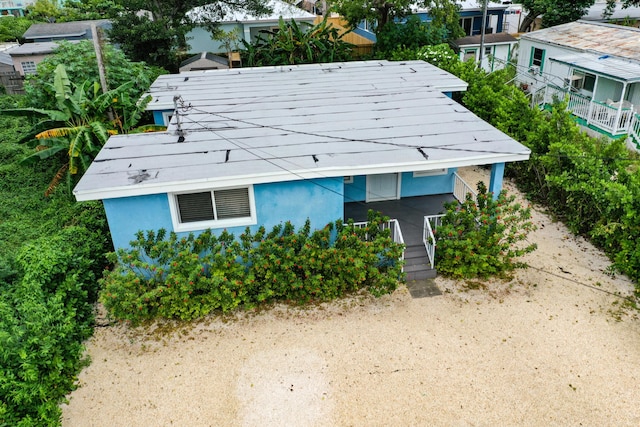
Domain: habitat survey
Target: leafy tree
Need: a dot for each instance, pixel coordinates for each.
(79, 10)
(410, 35)
(554, 12)
(444, 13)
(295, 44)
(158, 37)
(80, 64)
(78, 126)
(12, 29)
(44, 11)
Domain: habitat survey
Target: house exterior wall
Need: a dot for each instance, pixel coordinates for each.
(500, 54)
(551, 72)
(18, 60)
(200, 40)
(410, 186)
(321, 201)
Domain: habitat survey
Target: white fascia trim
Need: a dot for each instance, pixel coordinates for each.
(239, 181)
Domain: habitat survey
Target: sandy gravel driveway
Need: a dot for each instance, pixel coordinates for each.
(543, 350)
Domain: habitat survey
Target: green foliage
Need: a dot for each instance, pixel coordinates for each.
(52, 253)
(483, 238)
(444, 14)
(84, 10)
(80, 125)
(79, 60)
(44, 11)
(160, 39)
(410, 35)
(295, 43)
(593, 185)
(12, 29)
(553, 12)
(185, 278)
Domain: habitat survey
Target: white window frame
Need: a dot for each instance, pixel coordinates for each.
(433, 172)
(31, 67)
(348, 179)
(166, 117)
(203, 225)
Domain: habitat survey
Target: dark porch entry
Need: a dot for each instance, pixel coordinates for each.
(410, 213)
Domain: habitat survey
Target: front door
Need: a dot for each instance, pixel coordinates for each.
(383, 187)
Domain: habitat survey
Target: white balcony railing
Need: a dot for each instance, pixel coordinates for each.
(609, 118)
(393, 225)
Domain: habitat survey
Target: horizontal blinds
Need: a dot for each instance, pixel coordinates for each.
(232, 203)
(195, 207)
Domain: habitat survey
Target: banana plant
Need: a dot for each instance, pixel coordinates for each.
(81, 124)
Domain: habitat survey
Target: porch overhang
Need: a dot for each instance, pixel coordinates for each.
(610, 66)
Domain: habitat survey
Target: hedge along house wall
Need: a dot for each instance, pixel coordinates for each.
(319, 200)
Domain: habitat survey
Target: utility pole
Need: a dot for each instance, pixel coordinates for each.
(482, 30)
(103, 78)
(98, 48)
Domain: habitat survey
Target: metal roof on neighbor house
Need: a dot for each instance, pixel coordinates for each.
(616, 68)
(63, 29)
(595, 37)
(37, 48)
(489, 39)
(276, 124)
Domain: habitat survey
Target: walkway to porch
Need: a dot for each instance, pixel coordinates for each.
(409, 211)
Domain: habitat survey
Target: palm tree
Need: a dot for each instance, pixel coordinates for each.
(81, 124)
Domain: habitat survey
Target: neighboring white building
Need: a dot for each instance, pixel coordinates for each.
(498, 49)
(596, 66)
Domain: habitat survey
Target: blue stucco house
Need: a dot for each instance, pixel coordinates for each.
(259, 146)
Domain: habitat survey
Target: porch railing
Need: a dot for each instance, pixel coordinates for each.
(634, 130)
(461, 189)
(431, 222)
(393, 225)
(616, 121)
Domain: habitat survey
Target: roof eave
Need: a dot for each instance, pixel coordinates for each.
(179, 186)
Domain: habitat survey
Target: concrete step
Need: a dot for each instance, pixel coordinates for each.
(421, 274)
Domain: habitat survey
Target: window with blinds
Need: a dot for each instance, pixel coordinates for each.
(216, 205)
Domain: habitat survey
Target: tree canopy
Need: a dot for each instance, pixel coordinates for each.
(81, 64)
(378, 13)
(12, 29)
(159, 35)
(556, 12)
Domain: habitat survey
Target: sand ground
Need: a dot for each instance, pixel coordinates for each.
(552, 347)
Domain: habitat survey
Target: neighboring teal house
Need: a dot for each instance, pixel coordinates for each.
(260, 146)
(248, 26)
(595, 66)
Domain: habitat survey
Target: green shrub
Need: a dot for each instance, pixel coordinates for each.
(45, 315)
(483, 239)
(185, 278)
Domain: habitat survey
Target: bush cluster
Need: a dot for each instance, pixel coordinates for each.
(591, 184)
(483, 237)
(45, 315)
(162, 275)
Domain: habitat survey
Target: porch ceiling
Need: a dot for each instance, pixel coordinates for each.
(607, 65)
